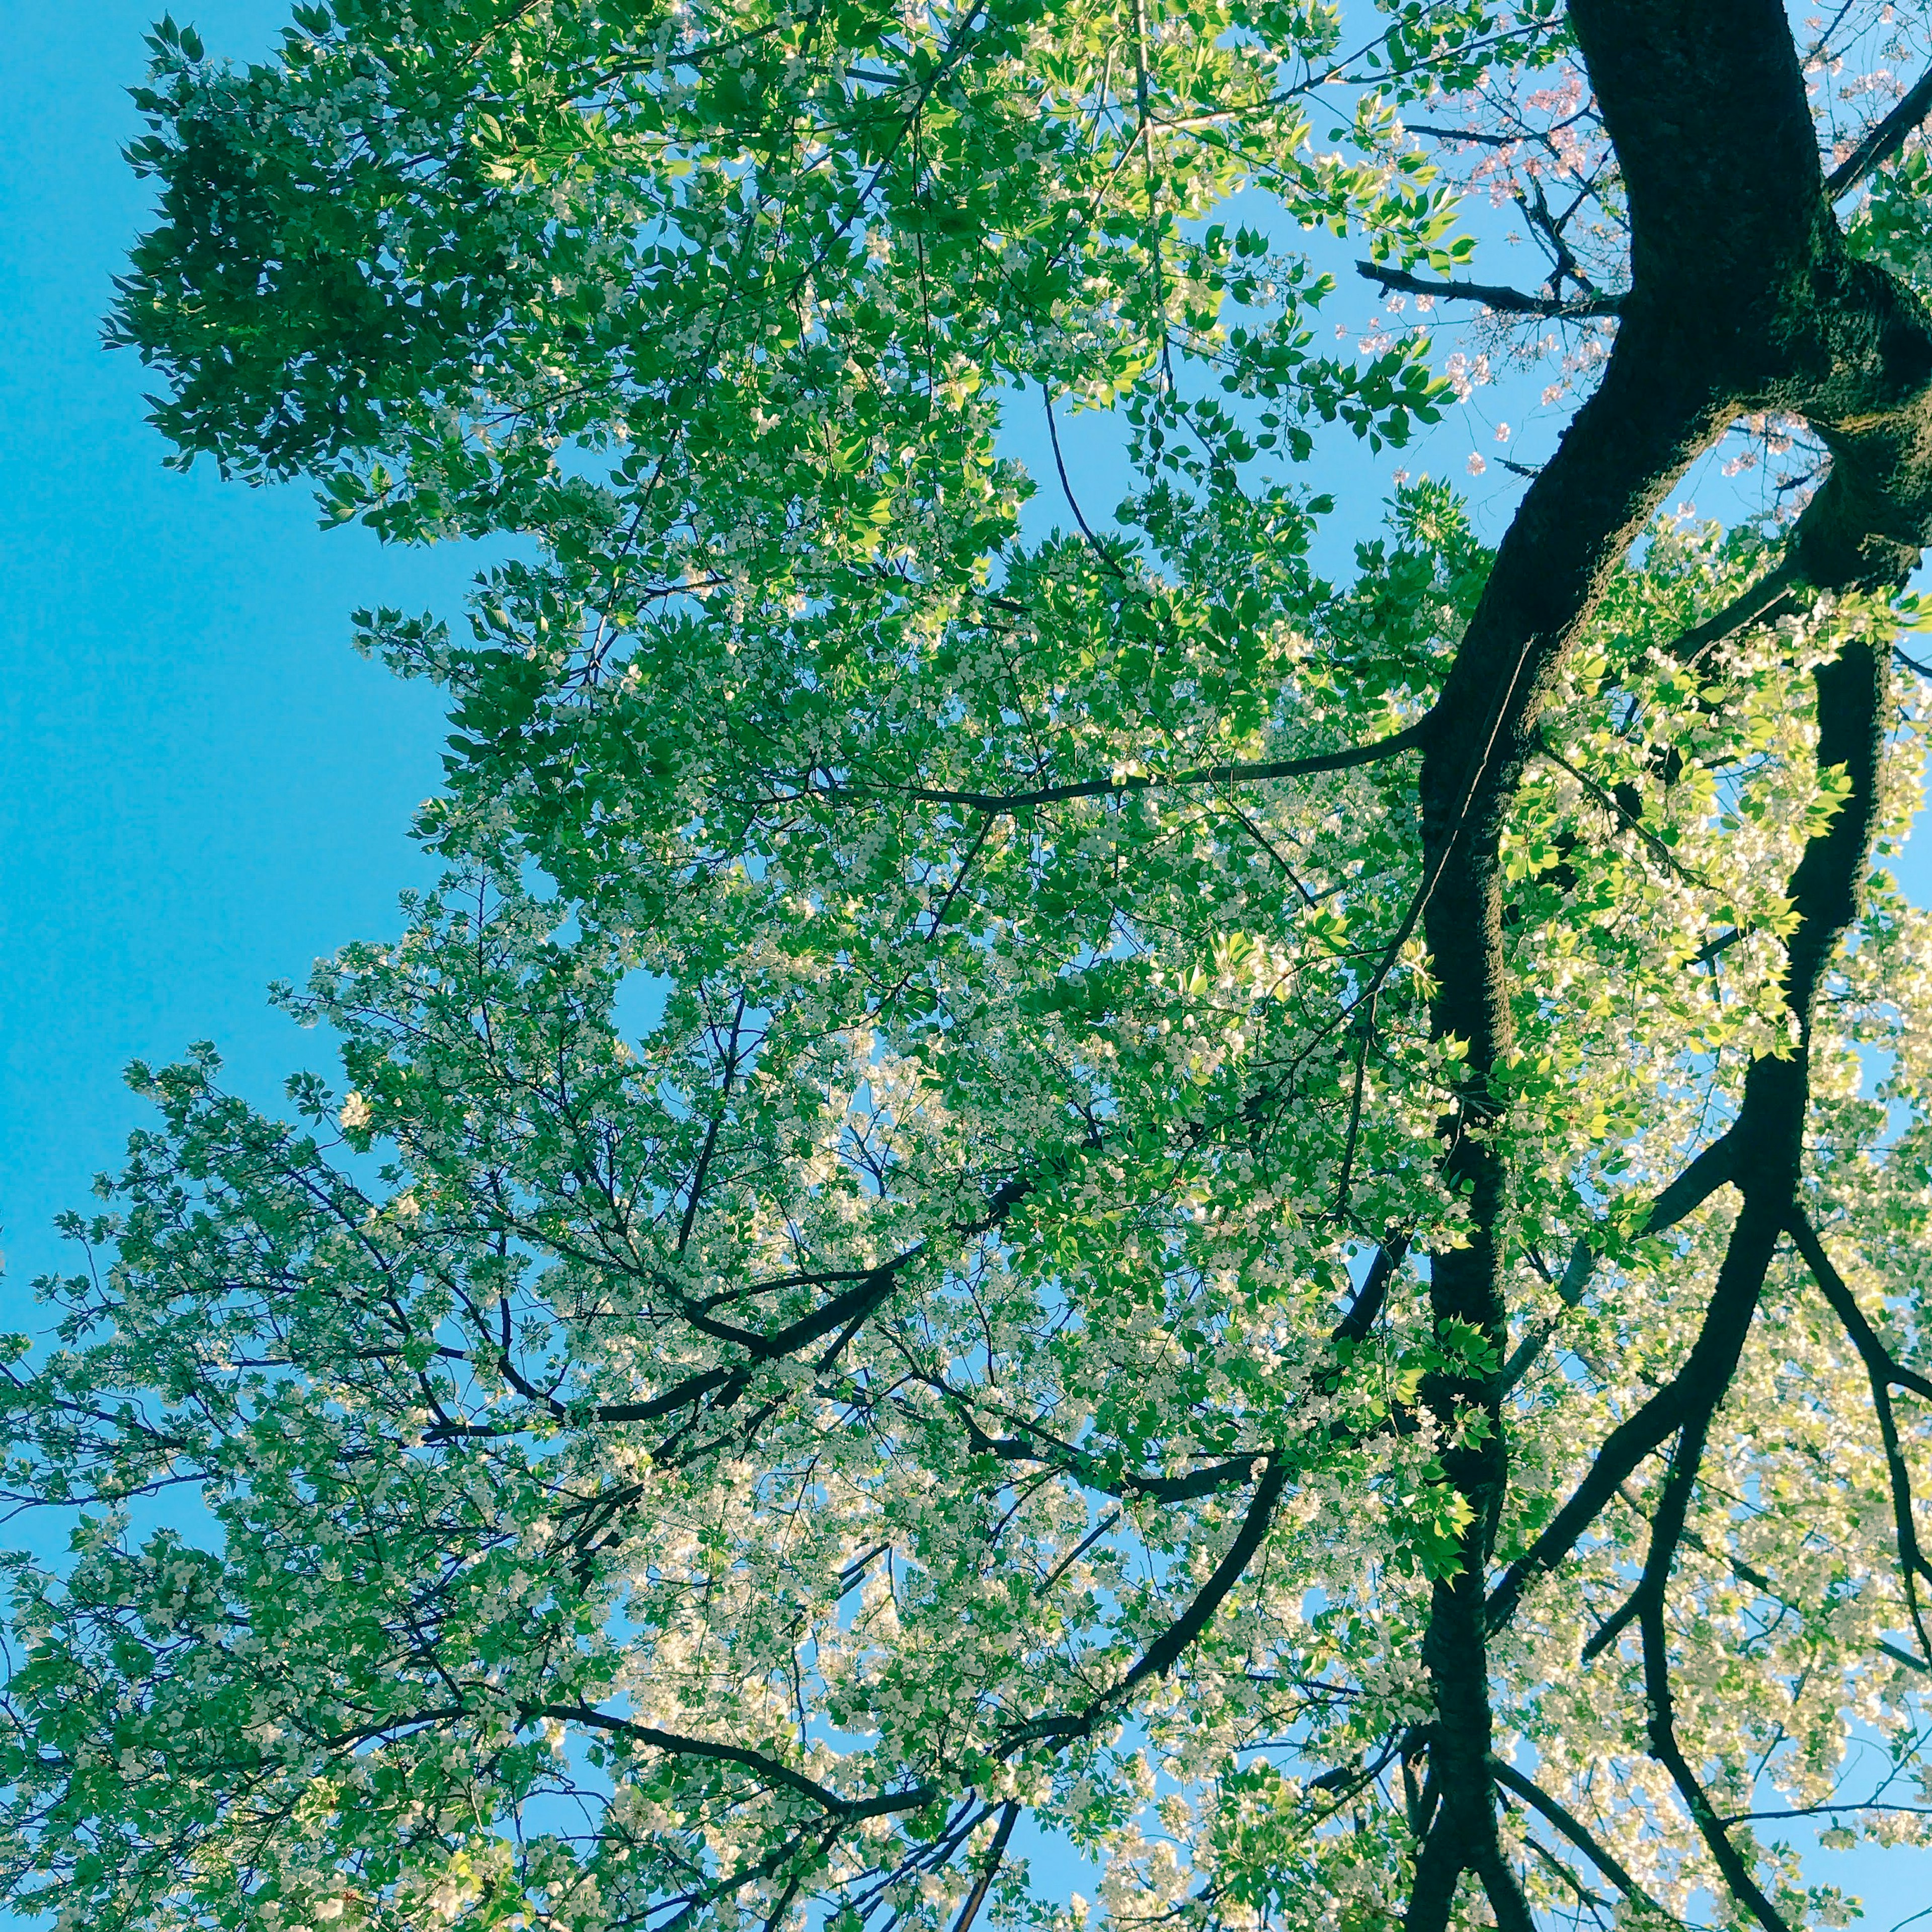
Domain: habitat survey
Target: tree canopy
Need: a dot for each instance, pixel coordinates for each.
(1042, 1160)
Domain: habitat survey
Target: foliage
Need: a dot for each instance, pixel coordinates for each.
(872, 1272)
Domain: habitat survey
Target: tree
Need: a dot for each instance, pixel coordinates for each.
(1282, 1223)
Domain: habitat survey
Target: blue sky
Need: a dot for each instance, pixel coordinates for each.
(202, 787)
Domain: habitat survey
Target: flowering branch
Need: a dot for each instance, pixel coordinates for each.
(1883, 141)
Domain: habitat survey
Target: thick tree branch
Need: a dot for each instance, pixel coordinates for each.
(1035, 1446)
(1706, 1373)
(1502, 1888)
(1657, 408)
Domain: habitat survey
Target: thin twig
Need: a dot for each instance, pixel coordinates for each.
(1073, 503)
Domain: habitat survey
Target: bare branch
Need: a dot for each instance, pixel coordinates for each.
(1098, 549)
(1505, 300)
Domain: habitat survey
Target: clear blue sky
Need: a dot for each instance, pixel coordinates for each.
(202, 786)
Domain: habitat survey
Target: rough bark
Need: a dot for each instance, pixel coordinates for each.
(1743, 298)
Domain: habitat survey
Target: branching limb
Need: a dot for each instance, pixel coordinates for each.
(1614, 808)
(1565, 1877)
(1710, 1171)
(1365, 1037)
(1506, 300)
(1697, 1387)
(951, 892)
(1715, 949)
(1167, 1650)
(1649, 1602)
(1883, 1374)
(1032, 1443)
(1439, 1866)
(842, 1310)
(840, 1317)
(1620, 1620)
(1366, 1310)
(1035, 1445)
(1865, 1338)
(1574, 1828)
(1775, 594)
(696, 1195)
(1765, 1140)
(1665, 1749)
(1650, 1599)
(1667, 1529)
(1503, 1889)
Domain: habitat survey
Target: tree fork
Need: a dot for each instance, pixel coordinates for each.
(1706, 106)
